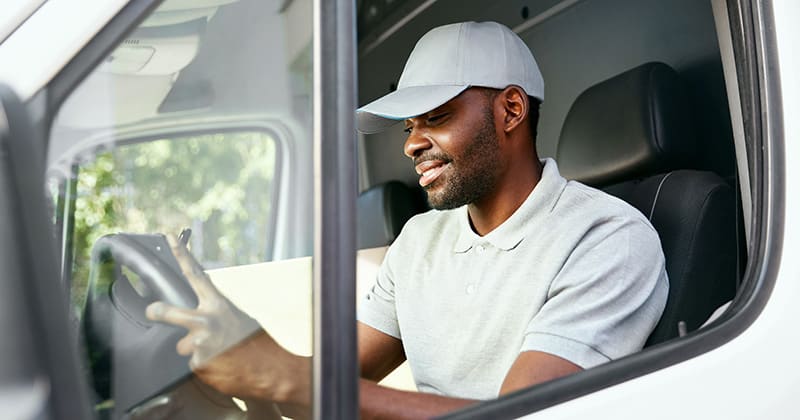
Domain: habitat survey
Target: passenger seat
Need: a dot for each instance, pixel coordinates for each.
(632, 136)
(383, 210)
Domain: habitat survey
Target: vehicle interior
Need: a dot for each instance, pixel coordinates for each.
(201, 121)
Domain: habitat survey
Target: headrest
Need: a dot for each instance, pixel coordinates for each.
(382, 212)
(630, 126)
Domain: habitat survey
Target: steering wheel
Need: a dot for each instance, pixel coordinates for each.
(133, 361)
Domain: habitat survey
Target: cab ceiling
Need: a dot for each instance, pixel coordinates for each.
(577, 43)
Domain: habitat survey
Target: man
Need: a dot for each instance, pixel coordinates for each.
(516, 278)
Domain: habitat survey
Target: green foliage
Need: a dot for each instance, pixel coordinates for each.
(220, 185)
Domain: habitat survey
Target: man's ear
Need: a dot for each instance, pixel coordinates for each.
(515, 107)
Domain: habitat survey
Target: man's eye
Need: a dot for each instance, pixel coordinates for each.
(407, 130)
(438, 117)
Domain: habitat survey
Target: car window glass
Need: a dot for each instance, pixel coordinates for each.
(220, 186)
(197, 125)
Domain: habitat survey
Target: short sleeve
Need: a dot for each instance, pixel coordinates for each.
(607, 297)
(377, 308)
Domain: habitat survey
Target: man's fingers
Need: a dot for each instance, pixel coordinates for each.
(185, 346)
(190, 343)
(192, 269)
(187, 318)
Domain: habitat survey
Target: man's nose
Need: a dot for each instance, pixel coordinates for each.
(416, 143)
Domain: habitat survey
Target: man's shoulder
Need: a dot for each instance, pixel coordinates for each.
(432, 222)
(593, 204)
(588, 215)
(433, 217)
(425, 233)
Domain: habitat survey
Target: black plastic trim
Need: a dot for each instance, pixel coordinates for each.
(760, 85)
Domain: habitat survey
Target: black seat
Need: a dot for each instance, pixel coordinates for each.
(383, 210)
(632, 136)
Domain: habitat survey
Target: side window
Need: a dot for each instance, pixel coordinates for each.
(605, 69)
(197, 125)
(220, 186)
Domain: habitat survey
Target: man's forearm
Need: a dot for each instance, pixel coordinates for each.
(379, 402)
(376, 402)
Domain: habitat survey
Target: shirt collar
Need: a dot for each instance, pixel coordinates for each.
(512, 231)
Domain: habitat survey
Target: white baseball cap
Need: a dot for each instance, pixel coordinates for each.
(446, 61)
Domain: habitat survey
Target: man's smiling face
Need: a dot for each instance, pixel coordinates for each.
(455, 149)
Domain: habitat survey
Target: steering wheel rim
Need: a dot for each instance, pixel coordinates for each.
(132, 359)
(159, 272)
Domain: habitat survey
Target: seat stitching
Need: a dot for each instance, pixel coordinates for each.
(655, 199)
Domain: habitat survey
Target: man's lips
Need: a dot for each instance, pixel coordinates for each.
(430, 170)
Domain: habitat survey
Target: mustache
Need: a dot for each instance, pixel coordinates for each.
(432, 156)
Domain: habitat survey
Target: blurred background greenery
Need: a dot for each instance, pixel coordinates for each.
(219, 185)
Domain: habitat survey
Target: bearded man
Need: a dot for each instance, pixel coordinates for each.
(516, 277)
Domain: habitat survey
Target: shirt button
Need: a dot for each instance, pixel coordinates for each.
(470, 289)
(480, 248)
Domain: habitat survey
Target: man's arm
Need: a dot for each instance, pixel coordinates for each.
(258, 370)
(380, 353)
(535, 367)
(229, 356)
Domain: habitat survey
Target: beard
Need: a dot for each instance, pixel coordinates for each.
(472, 174)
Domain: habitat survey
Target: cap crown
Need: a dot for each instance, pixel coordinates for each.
(483, 54)
(448, 60)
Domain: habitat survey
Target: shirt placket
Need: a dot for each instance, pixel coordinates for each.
(477, 267)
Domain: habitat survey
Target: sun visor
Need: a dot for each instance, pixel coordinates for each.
(134, 79)
(172, 12)
(156, 51)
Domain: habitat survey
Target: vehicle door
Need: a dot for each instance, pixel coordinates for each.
(228, 123)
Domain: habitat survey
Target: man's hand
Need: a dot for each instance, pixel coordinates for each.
(214, 326)
(229, 350)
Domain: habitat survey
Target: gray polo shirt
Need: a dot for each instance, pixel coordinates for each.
(574, 272)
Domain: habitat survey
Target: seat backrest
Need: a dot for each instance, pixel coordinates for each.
(383, 210)
(694, 214)
(632, 136)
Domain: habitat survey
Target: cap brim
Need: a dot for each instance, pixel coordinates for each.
(403, 103)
